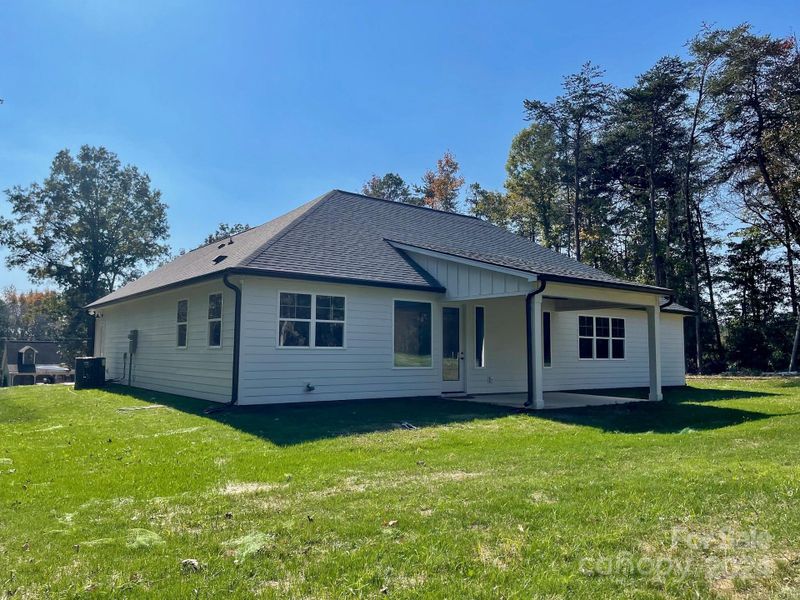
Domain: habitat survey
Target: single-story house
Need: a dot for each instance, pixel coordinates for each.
(352, 297)
(26, 362)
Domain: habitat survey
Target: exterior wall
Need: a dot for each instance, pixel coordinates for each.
(466, 281)
(505, 352)
(363, 369)
(673, 357)
(197, 370)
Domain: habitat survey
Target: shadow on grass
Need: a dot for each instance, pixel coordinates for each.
(290, 424)
(683, 409)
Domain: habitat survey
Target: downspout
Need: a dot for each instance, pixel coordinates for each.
(237, 335)
(668, 303)
(529, 338)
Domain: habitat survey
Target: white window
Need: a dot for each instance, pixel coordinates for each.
(412, 334)
(215, 320)
(480, 336)
(329, 322)
(546, 340)
(300, 315)
(601, 338)
(182, 323)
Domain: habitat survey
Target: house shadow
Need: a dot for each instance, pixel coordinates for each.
(290, 424)
(683, 409)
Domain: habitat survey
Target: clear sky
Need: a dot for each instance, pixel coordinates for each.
(241, 110)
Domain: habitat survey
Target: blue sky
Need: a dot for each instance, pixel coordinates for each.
(240, 111)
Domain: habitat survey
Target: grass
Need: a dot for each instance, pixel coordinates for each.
(110, 493)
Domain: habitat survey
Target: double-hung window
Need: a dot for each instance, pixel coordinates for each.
(311, 320)
(215, 320)
(182, 323)
(601, 338)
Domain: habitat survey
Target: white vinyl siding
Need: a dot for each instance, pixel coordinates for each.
(197, 370)
(363, 369)
(506, 369)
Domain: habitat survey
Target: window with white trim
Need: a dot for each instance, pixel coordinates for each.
(300, 315)
(480, 336)
(215, 320)
(329, 322)
(182, 323)
(601, 338)
(547, 349)
(412, 334)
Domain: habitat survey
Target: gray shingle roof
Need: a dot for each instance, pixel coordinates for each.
(348, 237)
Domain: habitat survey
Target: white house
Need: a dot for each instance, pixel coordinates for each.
(351, 297)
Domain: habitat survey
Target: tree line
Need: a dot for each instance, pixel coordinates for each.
(686, 179)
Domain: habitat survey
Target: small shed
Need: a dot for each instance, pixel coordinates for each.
(27, 362)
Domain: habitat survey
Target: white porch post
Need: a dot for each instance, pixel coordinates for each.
(654, 347)
(538, 358)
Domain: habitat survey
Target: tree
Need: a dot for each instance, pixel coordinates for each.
(575, 117)
(224, 231)
(755, 92)
(389, 187)
(34, 315)
(650, 117)
(440, 188)
(536, 208)
(488, 205)
(90, 226)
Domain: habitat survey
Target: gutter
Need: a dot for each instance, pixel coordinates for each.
(668, 302)
(529, 338)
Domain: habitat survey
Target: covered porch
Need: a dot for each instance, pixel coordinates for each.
(552, 400)
(519, 339)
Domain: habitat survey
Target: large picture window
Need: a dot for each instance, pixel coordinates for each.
(215, 320)
(307, 320)
(601, 338)
(182, 323)
(412, 334)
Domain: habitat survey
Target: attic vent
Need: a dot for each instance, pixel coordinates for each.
(219, 259)
(221, 246)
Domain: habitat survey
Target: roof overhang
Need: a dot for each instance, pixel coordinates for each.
(530, 275)
(264, 273)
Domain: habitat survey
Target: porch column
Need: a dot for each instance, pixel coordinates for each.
(654, 347)
(538, 359)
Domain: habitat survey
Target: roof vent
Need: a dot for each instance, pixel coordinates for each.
(219, 259)
(221, 246)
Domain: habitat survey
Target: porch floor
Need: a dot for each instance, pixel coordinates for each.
(552, 400)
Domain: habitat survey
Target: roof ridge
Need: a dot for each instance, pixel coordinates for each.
(437, 210)
(316, 203)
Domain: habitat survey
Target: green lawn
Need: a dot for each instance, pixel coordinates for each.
(106, 493)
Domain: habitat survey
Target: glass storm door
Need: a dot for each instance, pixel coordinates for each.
(452, 350)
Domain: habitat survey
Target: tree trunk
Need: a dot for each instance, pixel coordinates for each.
(790, 266)
(793, 363)
(577, 191)
(709, 281)
(657, 274)
(687, 198)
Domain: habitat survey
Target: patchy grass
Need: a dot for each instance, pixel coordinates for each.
(695, 496)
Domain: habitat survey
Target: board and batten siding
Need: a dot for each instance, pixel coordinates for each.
(197, 370)
(505, 352)
(466, 281)
(364, 368)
